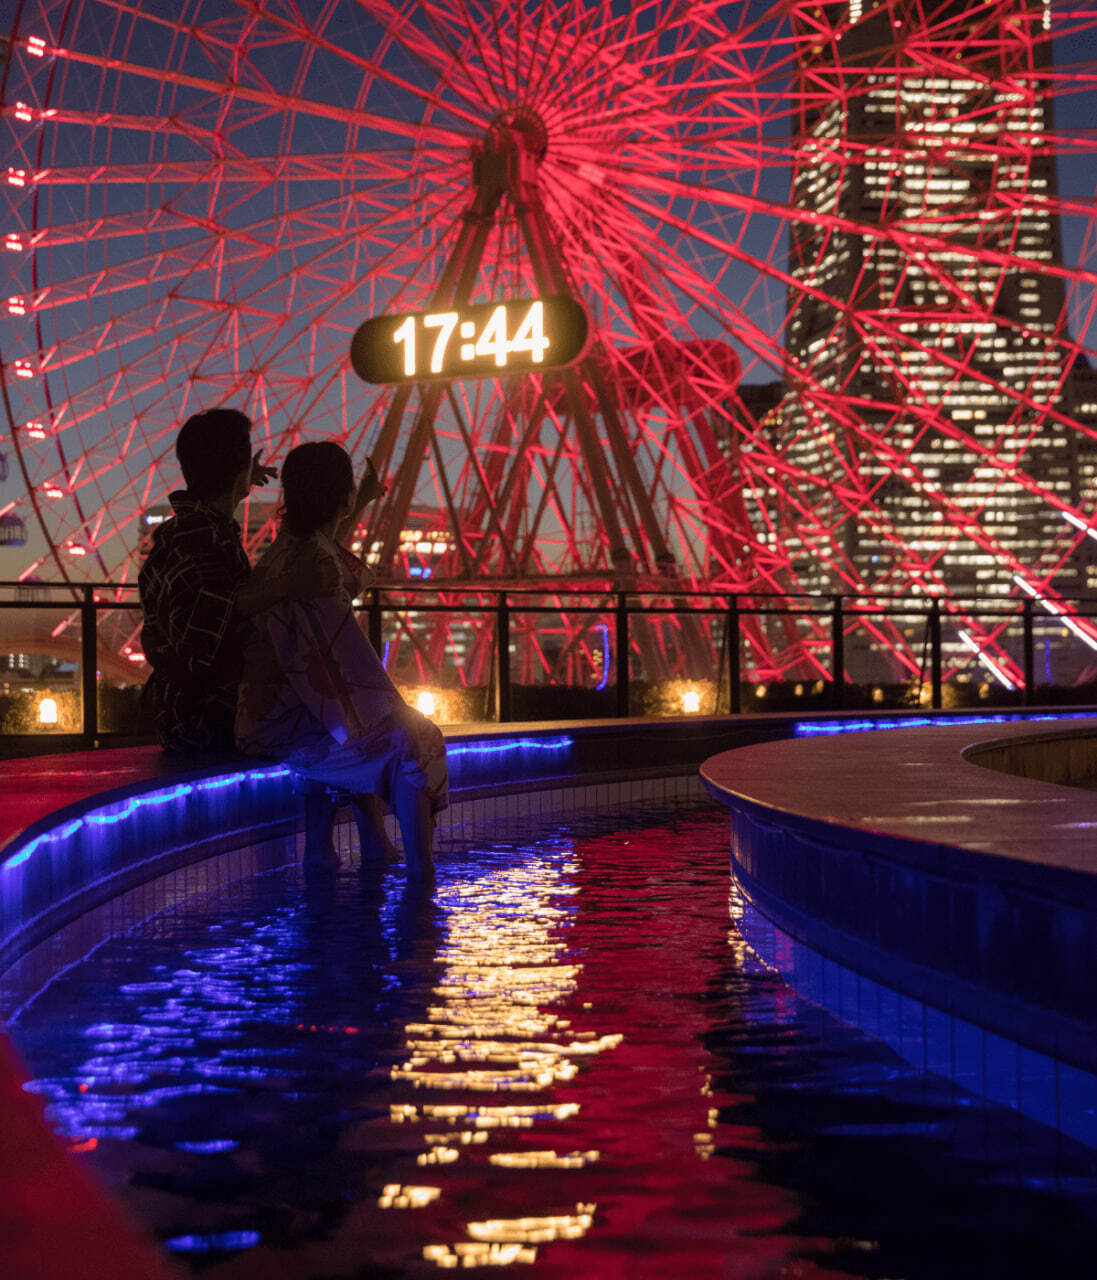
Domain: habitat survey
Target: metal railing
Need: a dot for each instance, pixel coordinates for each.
(843, 612)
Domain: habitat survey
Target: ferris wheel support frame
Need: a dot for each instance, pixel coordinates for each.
(506, 167)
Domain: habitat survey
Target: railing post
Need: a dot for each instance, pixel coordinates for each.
(837, 655)
(622, 655)
(935, 653)
(1028, 654)
(735, 671)
(89, 662)
(502, 659)
(374, 620)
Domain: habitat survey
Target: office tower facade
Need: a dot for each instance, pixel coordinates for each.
(926, 399)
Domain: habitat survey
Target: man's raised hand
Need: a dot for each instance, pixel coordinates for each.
(260, 474)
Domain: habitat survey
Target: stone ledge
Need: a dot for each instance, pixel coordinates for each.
(1068, 757)
(971, 890)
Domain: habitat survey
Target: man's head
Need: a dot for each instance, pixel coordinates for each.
(214, 451)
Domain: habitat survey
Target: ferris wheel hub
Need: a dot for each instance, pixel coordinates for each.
(518, 128)
(508, 159)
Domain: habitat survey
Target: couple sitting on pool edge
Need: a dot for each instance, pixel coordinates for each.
(271, 660)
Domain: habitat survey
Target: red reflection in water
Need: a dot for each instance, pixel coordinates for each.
(651, 927)
(630, 1163)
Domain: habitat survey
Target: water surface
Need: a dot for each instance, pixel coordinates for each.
(563, 1059)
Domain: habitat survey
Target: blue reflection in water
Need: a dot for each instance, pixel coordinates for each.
(227, 1241)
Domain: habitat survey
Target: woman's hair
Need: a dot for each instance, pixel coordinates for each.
(316, 479)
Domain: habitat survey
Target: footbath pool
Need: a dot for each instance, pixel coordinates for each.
(563, 1058)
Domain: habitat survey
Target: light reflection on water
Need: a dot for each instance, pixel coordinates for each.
(563, 1060)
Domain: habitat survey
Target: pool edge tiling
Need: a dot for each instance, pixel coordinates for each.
(892, 870)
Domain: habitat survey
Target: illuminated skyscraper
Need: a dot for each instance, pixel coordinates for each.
(926, 363)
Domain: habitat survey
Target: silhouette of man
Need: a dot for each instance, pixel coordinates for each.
(189, 582)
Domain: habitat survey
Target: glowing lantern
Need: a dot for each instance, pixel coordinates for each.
(425, 702)
(47, 711)
(691, 701)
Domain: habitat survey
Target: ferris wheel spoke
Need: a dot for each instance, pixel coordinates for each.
(957, 517)
(549, 23)
(335, 297)
(268, 99)
(444, 57)
(301, 33)
(911, 245)
(255, 256)
(377, 168)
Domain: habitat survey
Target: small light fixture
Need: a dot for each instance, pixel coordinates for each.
(759, 690)
(691, 702)
(425, 702)
(47, 711)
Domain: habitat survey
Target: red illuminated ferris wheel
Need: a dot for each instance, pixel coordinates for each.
(840, 297)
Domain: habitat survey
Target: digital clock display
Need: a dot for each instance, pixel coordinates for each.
(481, 341)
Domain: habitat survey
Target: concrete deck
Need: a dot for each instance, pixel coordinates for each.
(919, 785)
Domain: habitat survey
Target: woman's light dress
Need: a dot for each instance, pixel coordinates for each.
(314, 693)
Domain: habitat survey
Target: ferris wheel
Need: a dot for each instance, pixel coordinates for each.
(203, 207)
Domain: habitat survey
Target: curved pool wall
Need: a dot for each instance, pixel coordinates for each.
(915, 888)
(78, 831)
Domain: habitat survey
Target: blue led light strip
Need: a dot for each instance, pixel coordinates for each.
(109, 816)
(513, 744)
(821, 728)
(103, 817)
